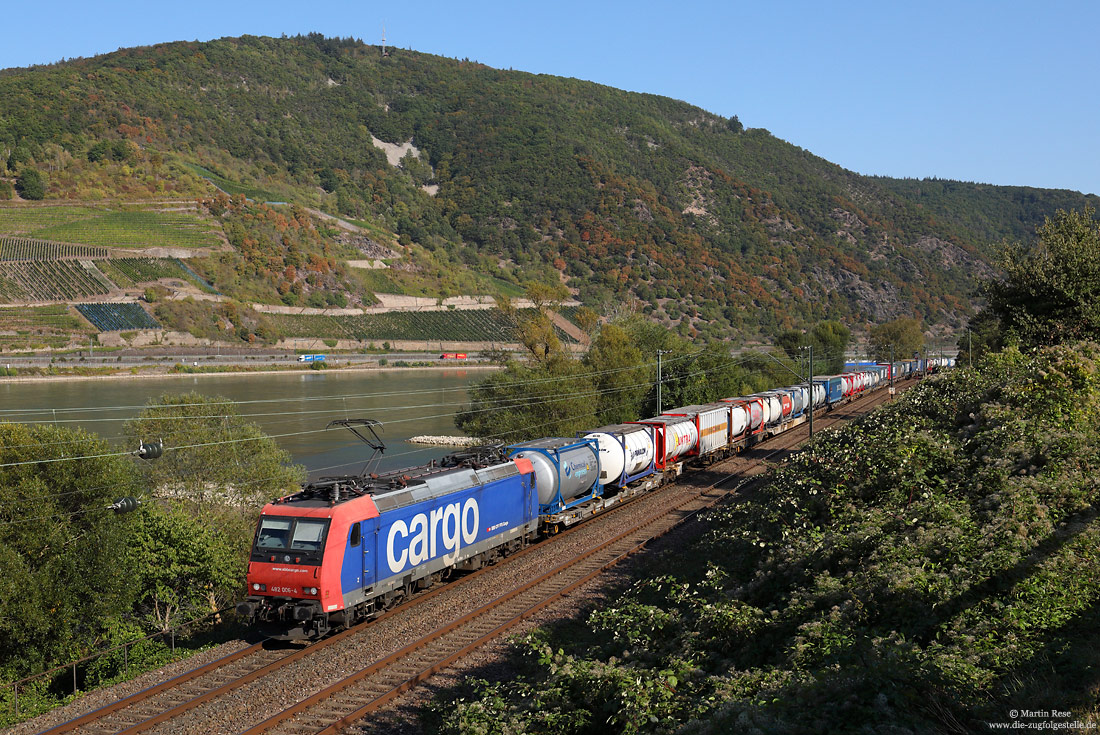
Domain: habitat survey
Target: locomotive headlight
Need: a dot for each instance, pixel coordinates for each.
(312, 590)
(263, 588)
(256, 586)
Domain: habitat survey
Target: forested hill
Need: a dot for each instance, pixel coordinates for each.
(717, 228)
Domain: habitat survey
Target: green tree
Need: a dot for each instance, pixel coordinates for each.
(829, 339)
(537, 334)
(213, 455)
(30, 184)
(184, 566)
(619, 372)
(66, 577)
(217, 470)
(1051, 291)
(900, 338)
(521, 402)
(546, 295)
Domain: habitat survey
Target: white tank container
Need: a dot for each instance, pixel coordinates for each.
(680, 438)
(739, 420)
(798, 398)
(775, 408)
(625, 450)
(675, 436)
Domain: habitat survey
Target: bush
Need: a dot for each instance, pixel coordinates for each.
(30, 184)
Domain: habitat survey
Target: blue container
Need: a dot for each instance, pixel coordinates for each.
(567, 471)
(834, 387)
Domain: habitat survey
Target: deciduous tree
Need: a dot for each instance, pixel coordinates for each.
(900, 338)
(1051, 291)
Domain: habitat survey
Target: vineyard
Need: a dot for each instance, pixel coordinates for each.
(23, 248)
(475, 325)
(29, 220)
(40, 328)
(127, 272)
(108, 228)
(50, 280)
(136, 229)
(115, 317)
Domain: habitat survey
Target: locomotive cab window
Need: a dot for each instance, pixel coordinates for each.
(273, 533)
(294, 540)
(355, 535)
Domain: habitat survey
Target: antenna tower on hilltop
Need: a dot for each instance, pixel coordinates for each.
(384, 52)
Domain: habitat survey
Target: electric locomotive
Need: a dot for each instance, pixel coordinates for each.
(346, 548)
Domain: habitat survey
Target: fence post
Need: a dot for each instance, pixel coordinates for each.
(16, 700)
(173, 640)
(126, 658)
(74, 678)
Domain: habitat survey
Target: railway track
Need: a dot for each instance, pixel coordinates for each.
(176, 705)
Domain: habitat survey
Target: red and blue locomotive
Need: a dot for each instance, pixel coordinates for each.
(345, 548)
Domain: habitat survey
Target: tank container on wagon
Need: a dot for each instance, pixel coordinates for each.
(713, 424)
(819, 394)
(675, 437)
(754, 411)
(566, 470)
(776, 414)
(798, 399)
(627, 452)
(739, 419)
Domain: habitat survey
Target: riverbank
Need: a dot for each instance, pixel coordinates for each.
(60, 374)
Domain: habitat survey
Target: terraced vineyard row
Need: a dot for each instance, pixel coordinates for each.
(25, 248)
(27, 220)
(137, 229)
(48, 280)
(114, 317)
(40, 327)
(474, 325)
(128, 272)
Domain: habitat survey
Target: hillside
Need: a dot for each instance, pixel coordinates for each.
(482, 179)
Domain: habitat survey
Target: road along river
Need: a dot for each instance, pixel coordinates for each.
(292, 407)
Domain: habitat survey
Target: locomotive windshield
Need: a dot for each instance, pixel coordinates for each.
(301, 538)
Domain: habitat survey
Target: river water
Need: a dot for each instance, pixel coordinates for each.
(294, 408)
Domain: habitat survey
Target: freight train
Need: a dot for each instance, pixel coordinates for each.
(344, 549)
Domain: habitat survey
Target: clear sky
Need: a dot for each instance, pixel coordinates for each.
(993, 92)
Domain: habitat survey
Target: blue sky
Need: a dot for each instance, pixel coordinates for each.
(994, 92)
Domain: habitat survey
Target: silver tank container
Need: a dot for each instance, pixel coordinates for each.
(566, 466)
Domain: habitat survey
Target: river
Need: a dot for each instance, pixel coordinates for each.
(292, 408)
